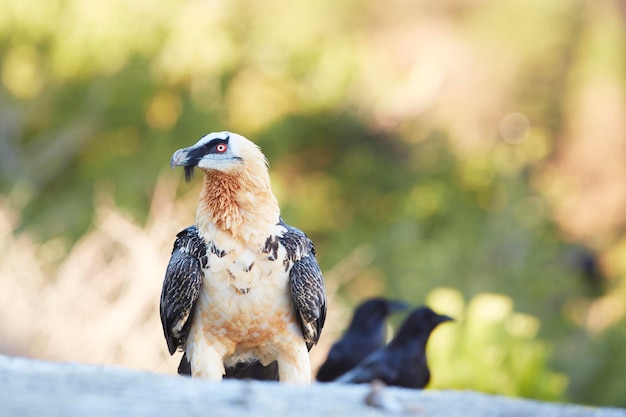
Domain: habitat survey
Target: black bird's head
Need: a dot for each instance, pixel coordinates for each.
(371, 314)
(221, 151)
(419, 324)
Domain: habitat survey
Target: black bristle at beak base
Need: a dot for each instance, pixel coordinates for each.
(188, 173)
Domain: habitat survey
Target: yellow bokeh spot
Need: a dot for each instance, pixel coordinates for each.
(21, 72)
(489, 307)
(477, 173)
(163, 111)
(523, 325)
(446, 301)
(426, 199)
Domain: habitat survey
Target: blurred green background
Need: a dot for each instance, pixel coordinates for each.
(469, 154)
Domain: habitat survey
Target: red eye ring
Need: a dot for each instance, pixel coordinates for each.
(221, 148)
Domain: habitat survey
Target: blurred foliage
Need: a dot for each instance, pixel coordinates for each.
(473, 145)
(489, 335)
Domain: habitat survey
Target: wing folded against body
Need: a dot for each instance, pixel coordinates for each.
(376, 366)
(306, 283)
(181, 287)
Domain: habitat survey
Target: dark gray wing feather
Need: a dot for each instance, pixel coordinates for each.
(181, 287)
(375, 366)
(306, 283)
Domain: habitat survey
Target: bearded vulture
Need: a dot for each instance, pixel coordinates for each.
(241, 285)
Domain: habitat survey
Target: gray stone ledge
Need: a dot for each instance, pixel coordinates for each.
(36, 388)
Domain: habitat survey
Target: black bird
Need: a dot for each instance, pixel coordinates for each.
(402, 362)
(253, 370)
(365, 335)
(250, 370)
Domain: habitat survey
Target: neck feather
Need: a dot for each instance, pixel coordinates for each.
(238, 203)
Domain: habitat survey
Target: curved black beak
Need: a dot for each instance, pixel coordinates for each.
(179, 158)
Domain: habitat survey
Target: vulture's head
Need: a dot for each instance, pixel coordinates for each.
(226, 152)
(237, 195)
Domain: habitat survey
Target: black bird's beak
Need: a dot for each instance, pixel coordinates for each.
(444, 318)
(395, 306)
